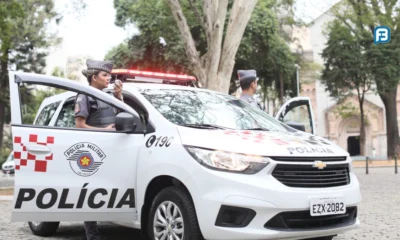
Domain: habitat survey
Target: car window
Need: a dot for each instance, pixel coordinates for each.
(185, 107)
(66, 118)
(46, 114)
(10, 157)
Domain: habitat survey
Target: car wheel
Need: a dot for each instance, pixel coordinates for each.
(172, 216)
(43, 229)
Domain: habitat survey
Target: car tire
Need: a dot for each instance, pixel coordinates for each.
(180, 207)
(43, 229)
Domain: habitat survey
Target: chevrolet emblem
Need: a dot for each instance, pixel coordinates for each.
(319, 164)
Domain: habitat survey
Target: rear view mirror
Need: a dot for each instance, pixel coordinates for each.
(125, 122)
(296, 125)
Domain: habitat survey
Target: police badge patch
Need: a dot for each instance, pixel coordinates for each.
(85, 158)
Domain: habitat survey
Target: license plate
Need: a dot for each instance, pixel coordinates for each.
(327, 206)
(8, 172)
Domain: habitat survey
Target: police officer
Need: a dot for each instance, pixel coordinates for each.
(95, 114)
(92, 113)
(248, 82)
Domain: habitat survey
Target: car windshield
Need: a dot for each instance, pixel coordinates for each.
(10, 157)
(200, 108)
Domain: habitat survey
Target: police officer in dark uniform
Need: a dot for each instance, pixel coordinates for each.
(92, 113)
(248, 82)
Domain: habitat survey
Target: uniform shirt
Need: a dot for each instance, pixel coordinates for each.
(249, 99)
(96, 113)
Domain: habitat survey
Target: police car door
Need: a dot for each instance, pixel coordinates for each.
(298, 110)
(71, 174)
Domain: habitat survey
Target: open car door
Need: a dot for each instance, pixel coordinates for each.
(298, 112)
(64, 173)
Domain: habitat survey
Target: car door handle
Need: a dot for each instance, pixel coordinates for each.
(36, 148)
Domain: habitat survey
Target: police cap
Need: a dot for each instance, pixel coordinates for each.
(93, 65)
(247, 75)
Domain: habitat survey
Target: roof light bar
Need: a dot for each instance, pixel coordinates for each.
(153, 74)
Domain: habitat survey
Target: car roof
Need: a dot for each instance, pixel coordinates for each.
(130, 87)
(140, 86)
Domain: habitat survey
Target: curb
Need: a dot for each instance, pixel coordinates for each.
(6, 198)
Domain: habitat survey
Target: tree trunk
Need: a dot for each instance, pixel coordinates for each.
(281, 89)
(267, 101)
(392, 129)
(362, 127)
(3, 94)
(214, 69)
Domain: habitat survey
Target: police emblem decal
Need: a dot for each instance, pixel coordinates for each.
(85, 161)
(85, 158)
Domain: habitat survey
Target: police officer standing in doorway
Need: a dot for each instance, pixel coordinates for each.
(248, 82)
(95, 114)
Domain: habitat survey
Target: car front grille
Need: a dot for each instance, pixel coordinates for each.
(307, 176)
(302, 220)
(309, 159)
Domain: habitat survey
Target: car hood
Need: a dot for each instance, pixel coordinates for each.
(265, 143)
(10, 163)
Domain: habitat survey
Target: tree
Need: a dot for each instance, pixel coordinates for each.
(346, 70)
(361, 17)
(213, 69)
(158, 46)
(264, 47)
(24, 42)
(262, 43)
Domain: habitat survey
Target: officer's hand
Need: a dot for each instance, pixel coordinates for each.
(111, 126)
(118, 89)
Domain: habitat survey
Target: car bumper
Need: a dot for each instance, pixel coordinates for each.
(267, 197)
(8, 171)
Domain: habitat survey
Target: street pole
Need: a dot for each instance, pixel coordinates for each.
(297, 79)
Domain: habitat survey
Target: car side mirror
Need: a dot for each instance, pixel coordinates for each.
(296, 125)
(126, 122)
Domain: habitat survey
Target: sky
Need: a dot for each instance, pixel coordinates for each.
(94, 32)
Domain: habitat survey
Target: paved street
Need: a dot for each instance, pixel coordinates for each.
(379, 213)
(6, 180)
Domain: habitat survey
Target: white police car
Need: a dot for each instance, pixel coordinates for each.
(183, 163)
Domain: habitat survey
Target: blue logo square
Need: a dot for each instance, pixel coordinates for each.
(381, 34)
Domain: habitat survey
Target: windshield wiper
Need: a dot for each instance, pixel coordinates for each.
(258, 128)
(203, 125)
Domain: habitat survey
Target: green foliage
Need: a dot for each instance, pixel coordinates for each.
(24, 41)
(265, 49)
(144, 51)
(263, 46)
(348, 110)
(346, 65)
(360, 18)
(58, 72)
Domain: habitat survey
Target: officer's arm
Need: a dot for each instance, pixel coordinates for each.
(80, 122)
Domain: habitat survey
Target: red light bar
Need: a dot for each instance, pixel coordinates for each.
(153, 74)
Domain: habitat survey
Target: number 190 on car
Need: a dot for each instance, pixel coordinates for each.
(327, 206)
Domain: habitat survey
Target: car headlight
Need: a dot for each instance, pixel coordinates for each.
(228, 161)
